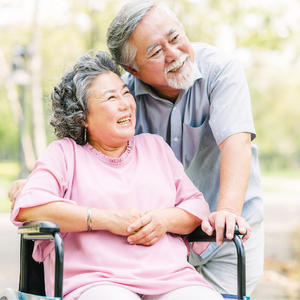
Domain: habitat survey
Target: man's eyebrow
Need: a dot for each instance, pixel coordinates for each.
(114, 90)
(150, 48)
(172, 31)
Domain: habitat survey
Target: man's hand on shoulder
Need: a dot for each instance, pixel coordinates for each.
(223, 218)
(15, 190)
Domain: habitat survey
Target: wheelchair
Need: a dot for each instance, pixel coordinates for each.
(31, 281)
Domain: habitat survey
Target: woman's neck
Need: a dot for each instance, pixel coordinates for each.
(113, 152)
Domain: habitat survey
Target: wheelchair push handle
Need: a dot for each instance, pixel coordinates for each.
(198, 235)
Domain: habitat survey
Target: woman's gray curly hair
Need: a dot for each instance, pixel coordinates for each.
(69, 98)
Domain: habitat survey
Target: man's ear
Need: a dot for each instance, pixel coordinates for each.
(132, 71)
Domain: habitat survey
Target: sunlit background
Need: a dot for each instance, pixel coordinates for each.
(40, 38)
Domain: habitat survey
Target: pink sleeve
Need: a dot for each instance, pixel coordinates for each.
(188, 197)
(51, 180)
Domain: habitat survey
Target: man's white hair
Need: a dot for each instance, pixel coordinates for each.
(123, 25)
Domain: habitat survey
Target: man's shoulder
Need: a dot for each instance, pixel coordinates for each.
(205, 53)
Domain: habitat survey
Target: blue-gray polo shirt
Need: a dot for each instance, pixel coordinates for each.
(217, 106)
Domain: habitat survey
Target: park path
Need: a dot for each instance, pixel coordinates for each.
(282, 222)
(282, 211)
(9, 253)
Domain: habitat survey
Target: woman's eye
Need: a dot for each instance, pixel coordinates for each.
(111, 98)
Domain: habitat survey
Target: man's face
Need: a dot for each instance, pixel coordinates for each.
(164, 54)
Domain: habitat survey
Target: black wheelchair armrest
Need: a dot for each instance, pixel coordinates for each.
(44, 230)
(198, 235)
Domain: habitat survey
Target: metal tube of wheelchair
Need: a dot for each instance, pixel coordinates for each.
(59, 265)
(23, 265)
(241, 281)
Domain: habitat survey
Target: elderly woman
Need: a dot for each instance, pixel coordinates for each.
(122, 201)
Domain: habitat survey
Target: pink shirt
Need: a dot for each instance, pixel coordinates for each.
(147, 176)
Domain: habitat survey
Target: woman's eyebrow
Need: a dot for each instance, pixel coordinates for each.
(109, 92)
(115, 90)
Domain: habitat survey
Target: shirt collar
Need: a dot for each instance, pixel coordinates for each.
(141, 87)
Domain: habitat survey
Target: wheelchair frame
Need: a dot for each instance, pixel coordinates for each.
(32, 231)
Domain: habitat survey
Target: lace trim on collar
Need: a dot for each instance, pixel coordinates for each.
(109, 159)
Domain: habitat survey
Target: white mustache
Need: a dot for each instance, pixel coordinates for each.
(177, 63)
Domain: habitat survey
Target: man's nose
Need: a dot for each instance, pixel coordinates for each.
(172, 53)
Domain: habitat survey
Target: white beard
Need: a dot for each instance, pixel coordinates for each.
(182, 80)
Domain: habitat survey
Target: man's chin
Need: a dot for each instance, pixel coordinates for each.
(180, 82)
(183, 80)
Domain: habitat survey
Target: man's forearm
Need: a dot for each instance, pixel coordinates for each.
(235, 172)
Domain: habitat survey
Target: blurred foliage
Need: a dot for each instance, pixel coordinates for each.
(264, 35)
(9, 172)
(8, 130)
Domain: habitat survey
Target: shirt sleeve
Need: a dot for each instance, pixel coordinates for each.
(188, 197)
(50, 180)
(230, 110)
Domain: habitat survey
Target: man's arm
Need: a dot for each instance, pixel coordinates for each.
(234, 177)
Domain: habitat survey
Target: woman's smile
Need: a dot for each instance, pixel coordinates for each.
(125, 120)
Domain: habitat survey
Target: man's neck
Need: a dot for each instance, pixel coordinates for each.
(168, 93)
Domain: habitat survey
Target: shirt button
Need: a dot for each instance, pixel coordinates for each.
(176, 140)
(174, 108)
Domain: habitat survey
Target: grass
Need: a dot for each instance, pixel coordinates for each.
(9, 172)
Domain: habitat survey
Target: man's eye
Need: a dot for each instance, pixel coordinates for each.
(156, 53)
(175, 38)
(111, 98)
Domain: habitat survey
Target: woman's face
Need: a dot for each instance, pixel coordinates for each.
(111, 118)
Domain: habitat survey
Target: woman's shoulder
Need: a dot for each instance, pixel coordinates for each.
(150, 139)
(65, 143)
(152, 143)
(65, 147)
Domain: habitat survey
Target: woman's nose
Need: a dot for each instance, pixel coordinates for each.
(123, 103)
(172, 53)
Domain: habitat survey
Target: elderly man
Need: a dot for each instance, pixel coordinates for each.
(196, 97)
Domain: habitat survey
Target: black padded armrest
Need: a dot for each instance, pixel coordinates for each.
(41, 230)
(44, 230)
